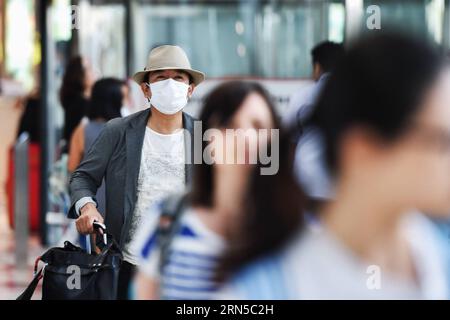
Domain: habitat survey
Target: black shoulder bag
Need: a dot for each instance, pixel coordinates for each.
(70, 273)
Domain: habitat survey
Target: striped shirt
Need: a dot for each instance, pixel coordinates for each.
(192, 258)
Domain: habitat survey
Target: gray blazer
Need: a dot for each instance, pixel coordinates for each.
(116, 156)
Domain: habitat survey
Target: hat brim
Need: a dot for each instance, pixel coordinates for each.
(197, 76)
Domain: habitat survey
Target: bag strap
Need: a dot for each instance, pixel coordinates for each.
(110, 246)
(29, 291)
(171, 211)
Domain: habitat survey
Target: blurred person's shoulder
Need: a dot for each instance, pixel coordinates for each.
(266, 278)
(302, 269)
(427, 235)
(270, 276)
(308, 260)
(430, 244)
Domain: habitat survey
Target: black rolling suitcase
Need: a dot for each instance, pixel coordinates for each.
(71, 273)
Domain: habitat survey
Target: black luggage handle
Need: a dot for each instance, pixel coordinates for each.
(100, 229)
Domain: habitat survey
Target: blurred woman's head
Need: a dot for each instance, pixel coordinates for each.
(267, 198)
(385, 119)
(107, 98)
(241, 108)
(77, 79)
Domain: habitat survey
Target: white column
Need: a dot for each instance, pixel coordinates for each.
(354, 13)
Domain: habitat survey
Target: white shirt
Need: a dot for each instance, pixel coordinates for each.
(310, 167)
(317, 265)
(162, 172)
(326, 269)
(302, 102)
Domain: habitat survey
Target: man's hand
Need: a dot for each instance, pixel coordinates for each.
(89, 214)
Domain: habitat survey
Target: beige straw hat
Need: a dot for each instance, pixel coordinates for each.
(168, 58)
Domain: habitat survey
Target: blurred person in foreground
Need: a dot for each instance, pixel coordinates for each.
(228, 200)
(385, 119)
(74, 94)
(143, 157)
(325, 56)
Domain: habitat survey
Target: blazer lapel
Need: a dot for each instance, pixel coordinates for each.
(134, 140)
(188, 124)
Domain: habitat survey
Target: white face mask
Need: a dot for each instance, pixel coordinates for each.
(169, 96)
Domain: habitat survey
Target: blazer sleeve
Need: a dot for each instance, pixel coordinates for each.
(88, 177)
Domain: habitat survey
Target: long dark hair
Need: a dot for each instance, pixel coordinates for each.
(380, 84)
(268, 199)
(73, 83)
(106, 99)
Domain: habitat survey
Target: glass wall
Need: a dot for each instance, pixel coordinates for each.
(2, 38)
(102, 38)
(269, 39)
(21, 56)
(420, 17)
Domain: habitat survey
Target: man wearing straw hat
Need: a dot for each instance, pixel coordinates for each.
(142, 157)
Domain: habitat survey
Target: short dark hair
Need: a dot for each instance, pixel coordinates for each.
(106, 99)
(327, 54)
(379, 84)
(191, 79)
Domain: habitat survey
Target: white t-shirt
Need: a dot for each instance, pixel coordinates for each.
(328, 270)
(162, 172)
(318, 266)
(192, 257)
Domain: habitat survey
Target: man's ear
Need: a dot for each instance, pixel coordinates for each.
(191, 90)
(146, 90)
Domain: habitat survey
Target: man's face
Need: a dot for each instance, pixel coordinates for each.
(162, 75)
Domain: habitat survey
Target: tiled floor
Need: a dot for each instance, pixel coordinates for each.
(12, 280)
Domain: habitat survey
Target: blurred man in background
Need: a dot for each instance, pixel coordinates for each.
(325, 55)
(310, 167)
